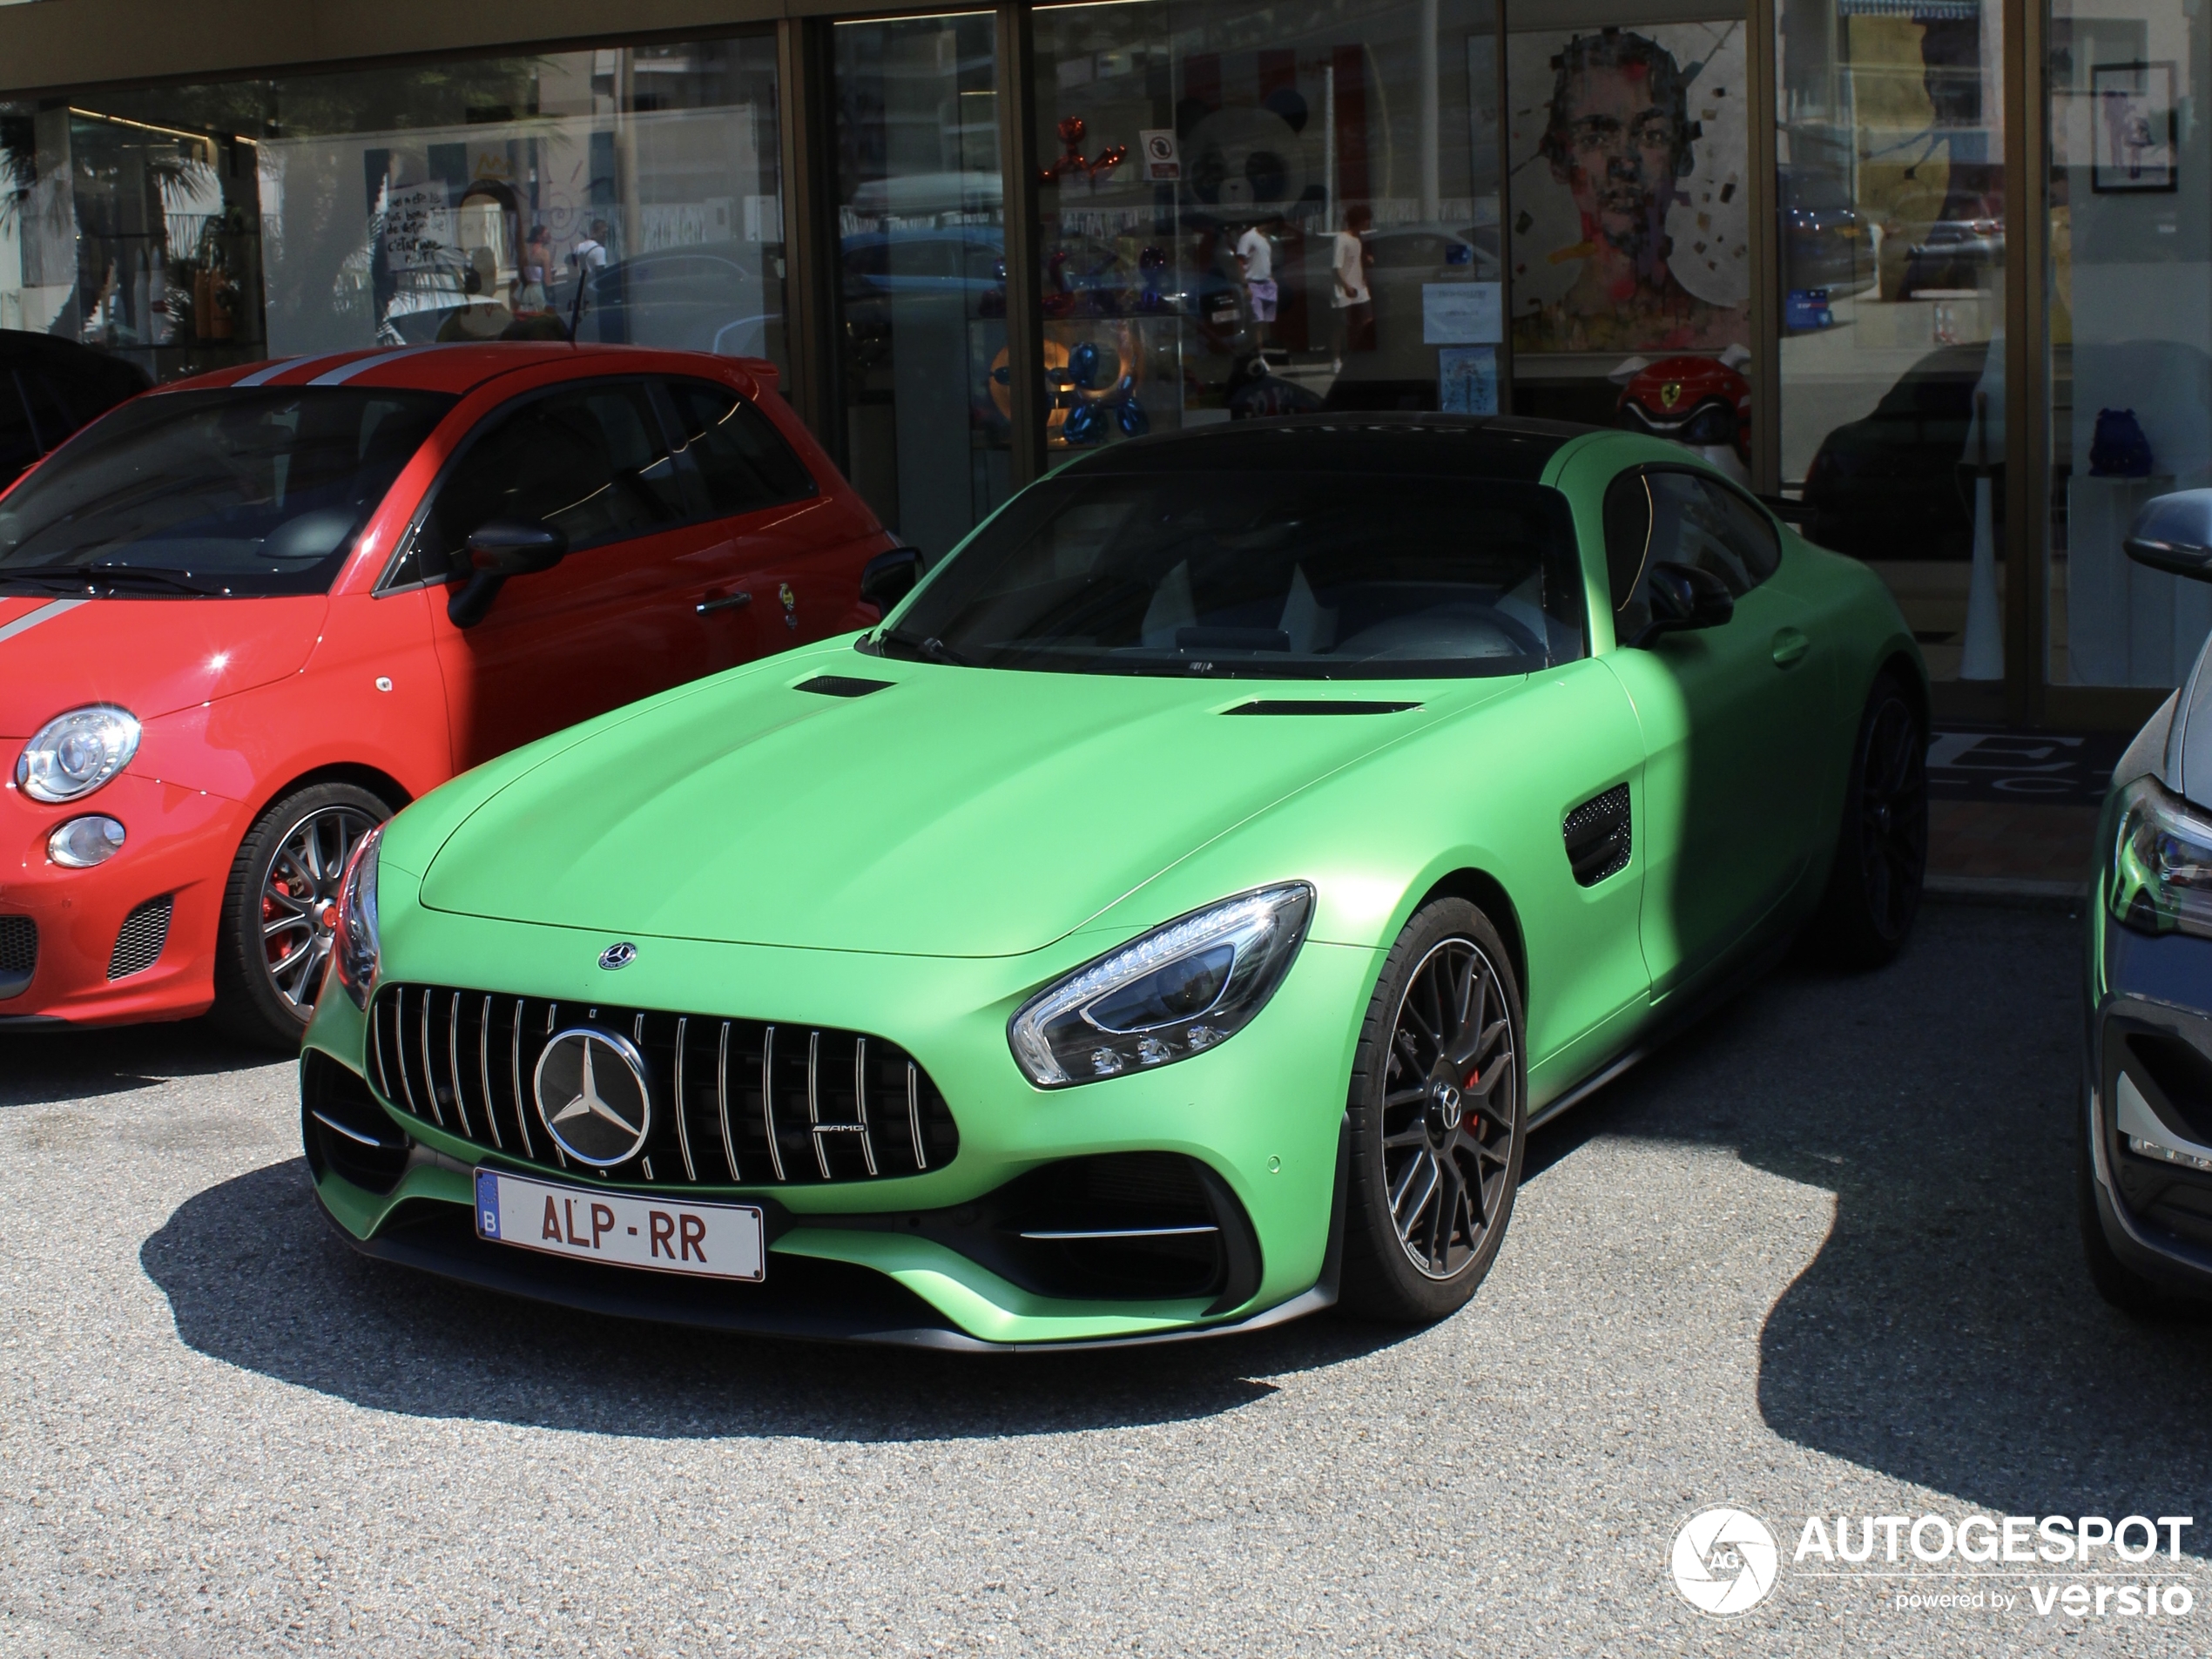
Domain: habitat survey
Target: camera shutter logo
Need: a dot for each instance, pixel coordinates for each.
(1724, 1561)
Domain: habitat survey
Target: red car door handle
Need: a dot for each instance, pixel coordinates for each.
(722, 602)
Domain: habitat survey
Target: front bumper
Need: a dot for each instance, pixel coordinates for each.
(2149, 1087)
(179, 846)
(910, 1258)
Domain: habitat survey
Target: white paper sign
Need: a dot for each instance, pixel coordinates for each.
(1462, 314)
(1163, 160)
(418, 226)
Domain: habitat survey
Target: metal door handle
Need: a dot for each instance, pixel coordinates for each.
(1789, 646)
(727, 601)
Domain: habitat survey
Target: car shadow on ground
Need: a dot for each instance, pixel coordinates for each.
(256, 1277)
(1947, 1333)
(39, 1067)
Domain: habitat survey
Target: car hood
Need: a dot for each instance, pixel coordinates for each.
(152, 657)
(956, 812)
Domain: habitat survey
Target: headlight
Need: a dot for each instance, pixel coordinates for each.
(73, 754)
(354, 946)
(1181, 989)
(2161, 864)
(84, 842)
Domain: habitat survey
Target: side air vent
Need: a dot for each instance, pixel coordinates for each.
(1318, 705)
(18, 955)
(346, 1130)
(841, 685)
(138, 946)
(1597, 836)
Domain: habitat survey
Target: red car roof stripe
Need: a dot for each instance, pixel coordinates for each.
(262, 376)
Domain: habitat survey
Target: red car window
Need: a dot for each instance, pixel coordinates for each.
(588, 459)
(742, 460)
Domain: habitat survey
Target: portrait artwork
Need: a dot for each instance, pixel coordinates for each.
(2132, 128)
(1629, 192)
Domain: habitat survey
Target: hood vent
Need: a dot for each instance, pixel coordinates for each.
(842, 685)
(1318, 705)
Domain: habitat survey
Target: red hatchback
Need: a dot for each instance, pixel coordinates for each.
(246, 616)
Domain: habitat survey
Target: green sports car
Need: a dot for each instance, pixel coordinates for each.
(1172, 920)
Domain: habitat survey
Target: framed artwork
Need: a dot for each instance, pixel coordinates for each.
(2131, 128)
(1467, 379)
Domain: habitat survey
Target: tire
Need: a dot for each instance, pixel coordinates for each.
(1438, 1126)
(2138, 1297)
(1882, 845)
(276, 906)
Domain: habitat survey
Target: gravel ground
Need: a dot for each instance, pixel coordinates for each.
(1816, 1257)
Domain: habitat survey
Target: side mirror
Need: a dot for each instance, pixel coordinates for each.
(2174, 533)
(1684, 597)
(503, 548)
(889, 577)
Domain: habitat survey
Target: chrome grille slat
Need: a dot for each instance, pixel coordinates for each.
(452, 1064)
(683, 1129)
(483, 1071)
(430, 1064)
(514, 1057)
(429, 1039)
(722, 1101)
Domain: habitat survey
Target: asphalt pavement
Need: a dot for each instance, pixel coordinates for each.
(1818, 1257)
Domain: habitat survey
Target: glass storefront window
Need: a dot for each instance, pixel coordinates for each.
(2129, 300)
(1245, 211)
(922, 273)
(1890, 191)
(620, 194)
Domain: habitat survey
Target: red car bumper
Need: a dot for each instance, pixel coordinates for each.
(179, 847)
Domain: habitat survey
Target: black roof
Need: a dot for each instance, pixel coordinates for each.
(1496, 446)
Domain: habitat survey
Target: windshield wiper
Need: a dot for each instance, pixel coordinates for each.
(932, 649)
(112, 575)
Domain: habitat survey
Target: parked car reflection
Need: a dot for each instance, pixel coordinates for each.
(1889, 486)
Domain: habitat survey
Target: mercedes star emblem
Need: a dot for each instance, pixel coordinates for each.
(619, 955)
(592, 1097)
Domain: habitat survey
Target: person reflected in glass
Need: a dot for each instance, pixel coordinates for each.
(1256, 261)
(482, 315)
(1354, 309)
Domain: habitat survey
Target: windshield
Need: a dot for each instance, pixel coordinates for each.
(1270, 575)
(259, 491)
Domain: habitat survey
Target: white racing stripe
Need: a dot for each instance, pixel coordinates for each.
(30, 619)
(375, 360)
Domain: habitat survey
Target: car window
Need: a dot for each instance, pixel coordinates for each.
(53, 421)
(1268, 574)
(1658, 515)
(588, 460)
(18, 444)
(233, 491)
(742, 460)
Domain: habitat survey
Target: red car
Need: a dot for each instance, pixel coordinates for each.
(246, 616)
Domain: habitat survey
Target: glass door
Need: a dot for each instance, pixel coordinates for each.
(921, 275)
(2129, 300)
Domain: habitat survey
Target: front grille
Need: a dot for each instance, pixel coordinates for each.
(146, 930)
(18, 955)
(754, 1102)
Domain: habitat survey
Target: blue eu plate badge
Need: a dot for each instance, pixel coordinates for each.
(486, 1204)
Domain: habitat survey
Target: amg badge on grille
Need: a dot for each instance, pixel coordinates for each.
(592, 1097)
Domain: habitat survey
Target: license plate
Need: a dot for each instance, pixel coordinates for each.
(705, 1240)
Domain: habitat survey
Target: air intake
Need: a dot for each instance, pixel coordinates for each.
(18, 955)
(138, 946)
(1597, 836)
(1318, 705)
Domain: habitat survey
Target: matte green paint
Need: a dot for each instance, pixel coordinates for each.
(916, 862)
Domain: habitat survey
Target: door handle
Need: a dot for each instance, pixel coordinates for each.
(1789, 646)
(725, 602)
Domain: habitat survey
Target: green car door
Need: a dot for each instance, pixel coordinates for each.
(1731, 781)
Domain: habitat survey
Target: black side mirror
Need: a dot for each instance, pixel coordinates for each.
(889, 577)
(2174, 533)
(1684, 597)
(503, 548)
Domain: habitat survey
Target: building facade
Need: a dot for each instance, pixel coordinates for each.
(1938, 270)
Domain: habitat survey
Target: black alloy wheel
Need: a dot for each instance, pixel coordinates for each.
(278, 908)
(1438, 1119)
(1882, 845)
